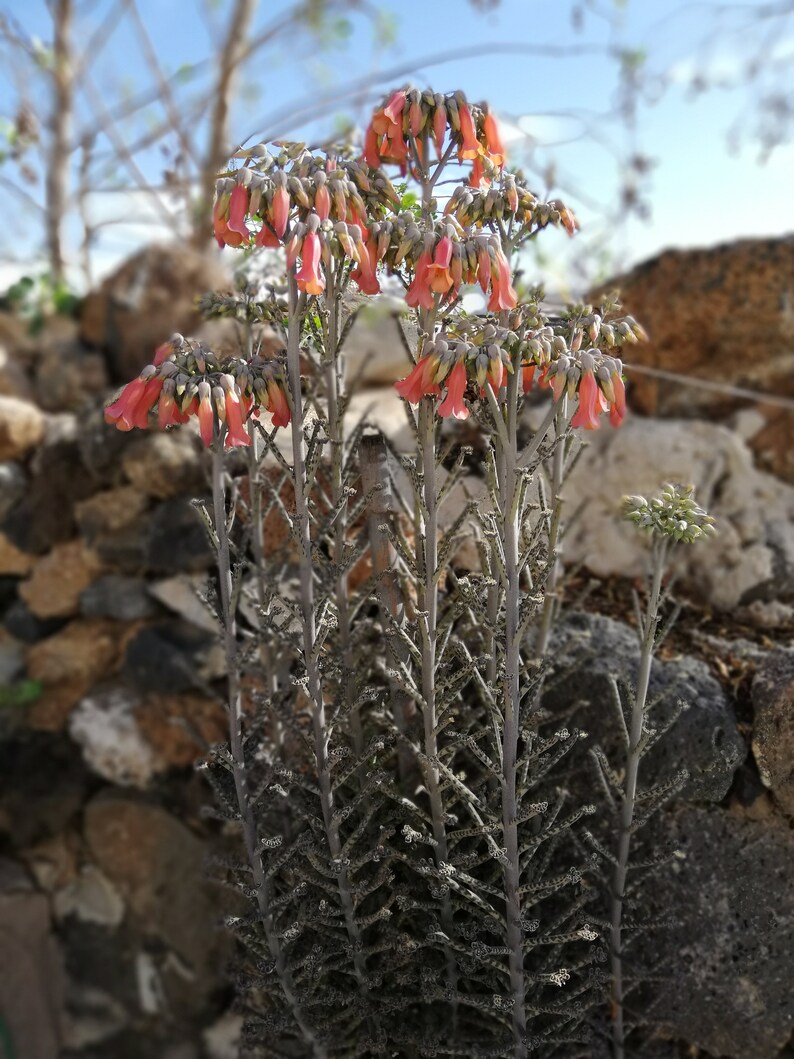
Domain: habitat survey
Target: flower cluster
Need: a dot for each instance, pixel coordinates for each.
(591, 374)
(505, 201)
(455, 361)
(270, 190)
(186, 379)
(409, 119)
(674, 514)
(445, 257)
(318, 207)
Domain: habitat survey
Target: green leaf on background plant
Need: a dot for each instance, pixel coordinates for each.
(22, 693)
(386, 26)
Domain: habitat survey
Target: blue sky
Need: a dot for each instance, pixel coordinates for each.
(558, 109)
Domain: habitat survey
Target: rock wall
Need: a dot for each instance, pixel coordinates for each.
(723, 314)
(109, 675)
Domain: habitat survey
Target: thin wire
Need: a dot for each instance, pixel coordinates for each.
(717, 387)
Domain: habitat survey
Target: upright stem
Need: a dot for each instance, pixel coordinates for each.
(557, 471)
(511, 540)
(309, 630)
(237, 751)
(375, 479)
(428, 621)
(630, 795)
(336, 437)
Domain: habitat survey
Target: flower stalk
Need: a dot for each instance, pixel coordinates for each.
(237, 753)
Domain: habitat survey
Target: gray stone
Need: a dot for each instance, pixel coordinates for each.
(117, 596)
(167, 657)
(177, 539)
(12, 485)
(31, 995)
(752, 556)
(586, 649)
(222, 1038)
(773, 725)
(92, 1017)
(44, 784)
(104, 726)
(91, 897)
(26, 626)
(157, 864)
(125, 548)
(182, 595)
(44, 516)
(726, 970)
(166, 464)
(12, 661)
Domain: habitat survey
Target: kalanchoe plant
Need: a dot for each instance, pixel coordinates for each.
(671, 520)
(414, 884)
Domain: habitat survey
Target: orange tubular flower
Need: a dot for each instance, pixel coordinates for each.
(438, 273)
(470, 148)
(617, 410)
(365, 275)
(322, 198)
(131, 408)
(589, 402)
(415, 118)
(277, 404)
(419, 293)
(493, 141)
(168, 414)
(503, 295)
(236, 434)
(310, 278)
(453, 404)
(419, 382)
(496, 373)
(371, 152)
(224, 236)
(238, 207)
(206, 415)
(483, 268)
(439, 128)
(478, 177)
(527, 377)
(266, 237)
(280, 210)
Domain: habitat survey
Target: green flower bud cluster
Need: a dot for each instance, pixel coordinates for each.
(674, 514)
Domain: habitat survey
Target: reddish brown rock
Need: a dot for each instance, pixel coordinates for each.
(66, 377)
(180, 727)
(12, 560)
(56, 581)
(68, 664)
(157, 865)
(144, 302)
(166, 464)
(109, 510)
(724, 314)
(21, 427)
(14, 381)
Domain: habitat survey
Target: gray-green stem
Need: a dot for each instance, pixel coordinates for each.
(511, 518)
(630, 795)
(237, 751)
(314, 685)
(550, 602)
(428, 621)
(333, 374)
